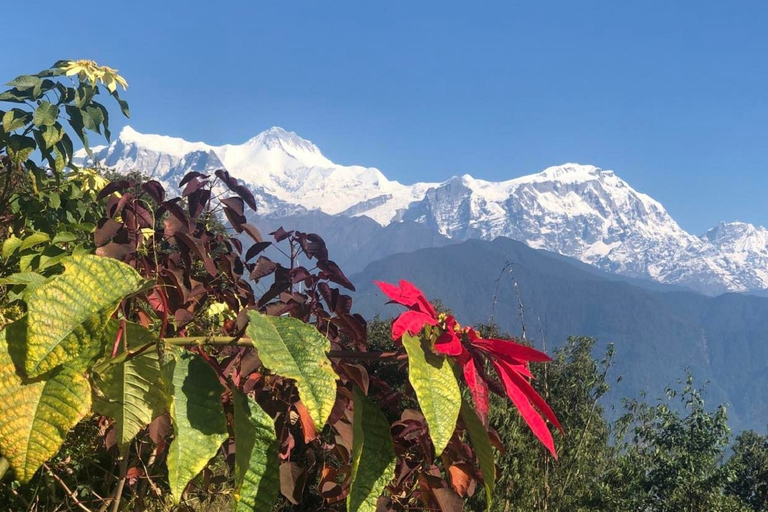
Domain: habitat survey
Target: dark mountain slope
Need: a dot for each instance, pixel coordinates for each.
(657, 333)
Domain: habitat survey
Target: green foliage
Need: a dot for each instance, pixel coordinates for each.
(373, 455)
(257, 478)
(436, 388)
(36, 414)
(199, 423)
(68, 315)
(529, 479)
(749, 470)
(131, 393)
(482, 445)
(672, 456)
(297, 351)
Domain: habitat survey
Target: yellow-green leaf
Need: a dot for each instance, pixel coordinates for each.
(34, 239)
(45, 114)
(290, 348)
(478, 435)
(373, 455)
(257, 469)
(68, 314)
(131, 392)
(436, 389)
(35, 416)
(10, 245)
(199, 424)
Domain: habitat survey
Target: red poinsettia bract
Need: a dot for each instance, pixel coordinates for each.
(509, 359)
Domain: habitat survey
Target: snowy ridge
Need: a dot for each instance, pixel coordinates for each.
(576, 210)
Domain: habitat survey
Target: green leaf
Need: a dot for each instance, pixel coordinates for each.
(25, 82)
(45, 114)
(34, 239)
(15, 96)
(257, 474)
(23, 278)
(132, 392)
(36, 415)
(290, 348)
(20, 147)
(123, 105)
(96, 116)
(373, 455)
(199, 424)
(436, 389)
(10, 245)
(15, 119)
(478, 435)
(64, 237)
(68, 314)
(52, 134)
(54, 200)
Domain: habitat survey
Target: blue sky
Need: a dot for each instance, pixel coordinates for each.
(671, 95)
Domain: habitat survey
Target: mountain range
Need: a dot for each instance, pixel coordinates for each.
(580, 211)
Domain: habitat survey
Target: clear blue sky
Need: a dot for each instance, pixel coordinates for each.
(673, 95)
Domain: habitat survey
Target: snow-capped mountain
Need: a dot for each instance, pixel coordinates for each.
(289, 174)
(576, 210)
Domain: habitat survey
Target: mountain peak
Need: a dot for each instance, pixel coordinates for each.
(175, 146)
(570, 173)
(279, 138)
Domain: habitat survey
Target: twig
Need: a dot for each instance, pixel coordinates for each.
(67, 490)
(496, 293)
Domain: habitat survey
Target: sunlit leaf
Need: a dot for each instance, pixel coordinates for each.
(290, 348)
(373, 455)
(199, 424)
(257, 474)
(35, 415)
(436, 389)
(68, 314)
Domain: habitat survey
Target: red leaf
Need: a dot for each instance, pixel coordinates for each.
(411, 290)
(293, 477)
(307, 425)
(448, 343)
(478, 388)
(511, 349)
(529, 414)
(531, 393)
(407, 295)
(411, 321)
(460, 478)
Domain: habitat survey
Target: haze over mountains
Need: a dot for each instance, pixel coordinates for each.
(579, 211)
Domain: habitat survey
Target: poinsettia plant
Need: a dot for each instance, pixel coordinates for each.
(471, 352)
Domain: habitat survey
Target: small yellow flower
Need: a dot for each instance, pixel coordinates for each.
(89, 70)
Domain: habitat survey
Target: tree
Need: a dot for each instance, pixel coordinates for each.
(672, 456)
(528, 479)
(749, 467)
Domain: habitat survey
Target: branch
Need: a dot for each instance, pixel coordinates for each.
(66, 489)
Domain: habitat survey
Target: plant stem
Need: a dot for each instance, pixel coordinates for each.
(120, 484)
(247, 342)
